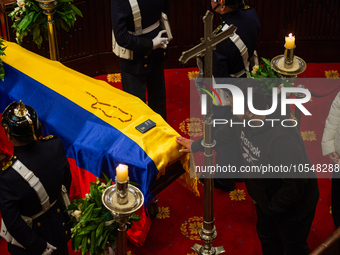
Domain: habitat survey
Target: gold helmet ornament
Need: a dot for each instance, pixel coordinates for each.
(21, 121)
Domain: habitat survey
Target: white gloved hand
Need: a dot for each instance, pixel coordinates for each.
(49, 249)
(159, 41)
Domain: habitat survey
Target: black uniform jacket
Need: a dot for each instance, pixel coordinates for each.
(227, 57)
(144, 58)
(47, 160)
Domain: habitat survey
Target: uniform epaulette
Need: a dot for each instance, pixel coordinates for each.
(218, 29)
(46, 138)
(9, 163)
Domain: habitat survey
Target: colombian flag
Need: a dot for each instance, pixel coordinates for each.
(96, 122)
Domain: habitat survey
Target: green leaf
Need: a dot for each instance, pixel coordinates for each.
(26, 21)
(106, 178)
(85, 215)
(93, 242)
(84, 245)
(113, 226)
(99, 240)
(2, 73)
(134, 217)
(77, 241)
(108, 216)
(266, 61)
(105, 239)
(100, 228)
(96, 211)
(76, 10)
(134, 183)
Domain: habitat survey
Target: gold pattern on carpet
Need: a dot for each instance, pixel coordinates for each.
(115, 77)
(193, 75)
(191, 228)
(238, 195)
(308, 136)
(192, 127)
(332, 74)
(164, 212)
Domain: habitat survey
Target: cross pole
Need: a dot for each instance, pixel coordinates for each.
(208, 231)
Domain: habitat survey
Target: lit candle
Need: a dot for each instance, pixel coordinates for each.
(122, 173)
(290, 41)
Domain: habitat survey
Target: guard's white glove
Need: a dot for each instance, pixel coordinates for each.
(49, 249)
(159, 41)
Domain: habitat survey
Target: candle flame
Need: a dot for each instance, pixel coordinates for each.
(290, 35)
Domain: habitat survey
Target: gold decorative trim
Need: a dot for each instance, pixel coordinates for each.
(109, 105)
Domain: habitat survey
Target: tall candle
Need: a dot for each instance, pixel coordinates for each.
(290, 41)
(122, 173)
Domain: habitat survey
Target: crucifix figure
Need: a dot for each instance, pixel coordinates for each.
(205, 48)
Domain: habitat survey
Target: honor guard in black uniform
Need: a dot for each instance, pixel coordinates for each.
(34, 221)
(136, 27)
(228, 58)
(232, 58)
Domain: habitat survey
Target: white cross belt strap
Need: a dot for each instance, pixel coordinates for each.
(137, 18)
(236, 39)
(34, 182)
(146, 30)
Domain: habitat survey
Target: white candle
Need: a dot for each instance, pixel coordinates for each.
(122, 173)
(290, 41)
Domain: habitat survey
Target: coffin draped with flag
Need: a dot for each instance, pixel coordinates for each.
(96, 122)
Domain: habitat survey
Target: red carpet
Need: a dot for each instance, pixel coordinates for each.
(176, 227)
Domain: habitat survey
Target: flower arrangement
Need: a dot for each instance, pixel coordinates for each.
(2, 53)
(93, 224)
(29, 19)
(264, 71)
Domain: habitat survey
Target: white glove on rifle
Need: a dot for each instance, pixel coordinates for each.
(49, 249)
(159, 41)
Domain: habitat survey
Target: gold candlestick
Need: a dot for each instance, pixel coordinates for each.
(289, 57)
(288, 65)
(49, 9)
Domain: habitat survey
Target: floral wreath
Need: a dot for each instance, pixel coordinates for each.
(29, 19)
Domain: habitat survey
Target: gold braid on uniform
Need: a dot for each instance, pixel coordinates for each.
(9, 163)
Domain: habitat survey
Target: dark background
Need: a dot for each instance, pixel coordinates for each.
(87, 48)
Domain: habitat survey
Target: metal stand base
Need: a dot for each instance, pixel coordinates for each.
(213, 251)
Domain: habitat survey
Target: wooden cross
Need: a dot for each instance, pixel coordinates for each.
(208, 44)
(208, 231)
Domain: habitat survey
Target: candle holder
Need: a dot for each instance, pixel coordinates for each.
(49, 9)
(122, 199)
(289, 57)
(288, 65)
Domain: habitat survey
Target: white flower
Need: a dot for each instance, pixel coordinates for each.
(21, 3)
(77, 214)
(87, 196)
(255, 68)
